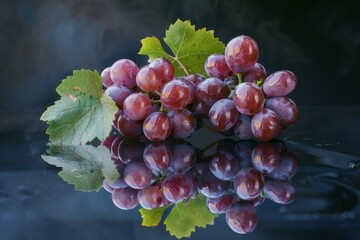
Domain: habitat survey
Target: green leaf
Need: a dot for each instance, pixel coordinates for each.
(184, 217)
(82, 81)
(83, 166)
(189, 48)
(79, 119)
(151, 218)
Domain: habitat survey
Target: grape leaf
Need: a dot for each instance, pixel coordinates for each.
(189, 48)
(83, 166)
(82, 81)
(151, 218)
(184, 217)
(79, 119)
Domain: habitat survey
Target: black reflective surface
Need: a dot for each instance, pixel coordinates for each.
(35, 203)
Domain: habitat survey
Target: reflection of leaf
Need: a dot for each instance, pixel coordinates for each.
(84, 166)
(188, 47)
(184, 217)
(151, 218)
(79, 119)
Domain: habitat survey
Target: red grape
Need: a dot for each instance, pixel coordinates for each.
(123, 73)
(215, 66)
(137, 106)
(265, 125)
(248, 98)
(223, 115)
(279, 84)
(157, 126)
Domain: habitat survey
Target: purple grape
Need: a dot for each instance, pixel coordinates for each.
(285, 109)
(107, 187)
(130, 150)
(137, 106)
(148, 79)
(157, 126)
(125, 199)
(223, 115)
(158, 156)
(242, 218)
(265, 125)
(242, 127)
(183, 123)
(248, 98)
(219, 205)
(175, 95)
(224, 165)
(279, 84)
(286, 168)
(150, 197)
(137, 175)
(200, 109)
(249, 183)
(128, 127)
(215, 66)
(241, 54)
(184, 157)
(118, 94)
(212, 187)
(256, 73)
(211, 90)
(164, 67)
(178, 187)
(279, 192)
(265, 157)
(123, 73)
(106, 79)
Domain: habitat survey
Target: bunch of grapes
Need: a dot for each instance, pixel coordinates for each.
(237, 98)
(235, 179)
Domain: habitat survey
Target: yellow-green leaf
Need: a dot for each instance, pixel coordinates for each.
(184, 217)
(151, 218)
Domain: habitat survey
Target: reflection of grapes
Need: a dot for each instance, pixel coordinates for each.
(242, 218)
(232, 179)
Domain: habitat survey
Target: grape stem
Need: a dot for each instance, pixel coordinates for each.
(181, 65)
(239, 77)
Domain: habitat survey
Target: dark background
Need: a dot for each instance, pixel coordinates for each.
(43, 41)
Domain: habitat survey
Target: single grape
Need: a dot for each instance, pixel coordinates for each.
(265, 125)
(231, 81)
(148, 79)
(118, 94)
(256, 73)
(219, 205)
(212, 187)
(131, 150)
(157, 126)
(184, 157)
(280, 84)
(178, 187)
(192, 89)
(183, 123)
(128, 127)
(242, 218)
(106, 186)
(215, 66)
(194, 78)
(126, 198)
(279, 192)
(158, 156)
(150, 197)
(175, 95)
(211, 90)
(285, 109)
(249, 183)
(200, 110)
(265, 157)
(286, 168)
(106, 79)
(224, 165)
(123, 73)
(137, 175)
(248, 98)
(242, 127)
(223, 115)
(137, 106)
(164, 67)
(241, 54)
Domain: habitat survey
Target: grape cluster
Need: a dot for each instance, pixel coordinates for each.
(235, 179)
(238, 98)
